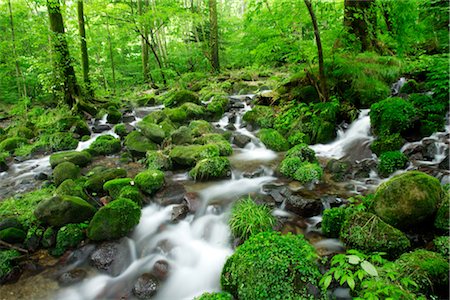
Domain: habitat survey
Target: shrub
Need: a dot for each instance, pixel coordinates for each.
(211, 168)
(271, 266)
(308, 172)
(332, 221)
(273, 140)
(390, 162)
(442, 245)
(303, 152)
(7, 262)
(248, 218)
(62, 141)
(392, 115)
(289, 166)
(431, 110)
(387, 142)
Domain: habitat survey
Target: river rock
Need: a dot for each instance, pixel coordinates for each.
(303, 207)
(445, 163)
(179, 212)
(82, 158)
(146, 286)
(128, 118)
(253, 174)
(72, 277)
(172, 193)
(193, 202)
(99, 128)
(429, 149)
(230, 127)
(11, 222)
(362, 169)
(161, 269)
(241, 140)
(110, 257)
(340, 170)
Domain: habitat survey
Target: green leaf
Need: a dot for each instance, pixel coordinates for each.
(327, 281)
(369, 268)
(351, 283)
(353, 259)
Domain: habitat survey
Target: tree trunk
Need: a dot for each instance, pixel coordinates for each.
(144, 46)
(360, 20)
(214, 35)
(83, 47)
(111, 55)
(20, 80)
(62, 63)
(323, 93)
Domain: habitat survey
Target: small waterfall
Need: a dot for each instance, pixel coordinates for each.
(396, 87)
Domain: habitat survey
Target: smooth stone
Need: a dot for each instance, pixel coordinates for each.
(101, 128)
(72, 277)
(146, 286)
(241, 140)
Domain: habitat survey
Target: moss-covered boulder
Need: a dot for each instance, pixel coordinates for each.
(62, 141)
(387, 142)
(114, 220)
(260, 116)
(390, 162)
(200, 127)
(10, 144)
(133, 193)
(180, 97)
(71, 188)
(273, 140)
(99, 176)
(12, 235)
(157, 160)
(303, 152)
(23, 132)
(81, 159)
(188, 156)
(149, 181)
(168, 127)
(408, 199)
(73, 124)
(332, 221)
(122, 130)
(368, 233)
(114, 186)
(442, 221)
(392, 115)
(211, 168)
(271, 266)
(68, 236)
(138, 144)
(152, 131)
(61, 210)
(182, 136)
(219, 140)
(441, 245)
(155, 117)
(193, 111)
(114, 115)
(65, 170)
(429, 270)
(105, 145)
(217, 107)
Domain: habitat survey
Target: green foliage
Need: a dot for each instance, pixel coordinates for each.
(442, 221)
(157, 160)
(10, 144)
(332, 221)
(303, 152)
(442, 245)
(260, 116)
(68, 236)
(105, 145)
(308, 172)
(387, 142)
(248, 218)
(7, 258)
(392, 115)
(290, 165)
(149, 181)
(431, 110)
(390, 162)
(273, 140)
(211, 168)
(180, 97)
(188, 156)
(61, 141)
(114, 186)
(215, 296)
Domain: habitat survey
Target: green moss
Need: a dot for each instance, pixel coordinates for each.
(12, 235)
(71, 188)
(188, 156)
(138, 144)
(114, 220)
(271, 266)
(10, 144)
(442, 221)
(151, 131)
(7, 262)
(182, 136)
(428, 269)
(105, 145)
(114, 186)
(149, 181)
(132, 193)
(408, 199)
(216, 108)
(411, 86)
(96, 180)
(73, 124)
(193, 111)
(65, 170)
(120, 130)
(215, 296)
(180, 97)
(261, 116)
(155, 117)
(48, 238)
(303, 152)
(61, 141)
(61, 210)
(387, 142)
(248, 218)
(114, 115)
(69, 236)
(157, 160)
(200, 127)
(211, 168)
(81, 159)
(442, 245)
(367, 232)
(22, 132)
(167, 126)
(273, 140)
(431, 112)
(332, 221)
(308, 172)
(392, 115)
(225, 148)
(289, 166)
(390, 162)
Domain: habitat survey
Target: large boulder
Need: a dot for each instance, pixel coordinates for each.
(101, 175)
(150, 181)
(188, 156)
(157, 160)
(180, 97)
(81, 159)
(408, 199)
(181, 136)
(200, 127)
(65, 170)
(61, 210)
(138, 144)
(10, 144)
(71, 188)
(211, 168)
(152, 131)
(304, 207)
(114, 220)
(105, 145)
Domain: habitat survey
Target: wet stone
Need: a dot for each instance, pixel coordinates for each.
(304, 207)
(128, 118)
(100, 128)
(230, 127)
(241, 140)
(146, 286)
(41, 176)
(72, 277)
(179, 212)
(110, 257)
(161, 269)
(193, 201)
(172, 193)
(429, 149)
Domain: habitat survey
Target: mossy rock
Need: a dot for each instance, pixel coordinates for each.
(367, 232)
(200, 127)
(392, 115)
(152, 131)
(48, 238)
(340, 170)
(80, 159)
(133, 193)
(65, 170)
(442, 246)
(168, 127)
(71, 188)
(180, 97)
(325, 132)
(387, 142)
(182, 136)
(61, 210)
(12, 235)
(121, 130)
(193, 111)
(390, 162)
(68, 236)
(23, 132)
(408, 199)
(308, 172)
(149, 181)
(217, 107)
(114, 186)
(225, 148)
(157, 160)
(273, 140)
(429, 270)
(442, 221)
(105, 145)
(211, 168)
(411, 86)
(188, 156)
(73, 124)
(260, 116)
(114, 220)
(114, 115)
(96, 180)
(145, 100)
(62, 141)
(10, 144)
(138, 144)
(303, 152)
(155, 117)
(271, 266)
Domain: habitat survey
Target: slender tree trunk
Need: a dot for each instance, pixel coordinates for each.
(111, 55)
(214, 35)
(62, 62)
(20, 80)
(144, 47)
(323, 93)
(360, 19)
(155, 54)
(83, 47)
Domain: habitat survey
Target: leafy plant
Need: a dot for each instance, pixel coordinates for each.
(392, 115)
(390, 162)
